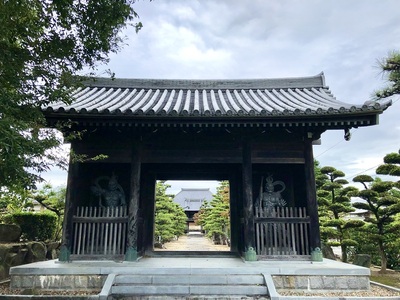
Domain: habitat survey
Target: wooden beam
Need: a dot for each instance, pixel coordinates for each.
(133, 210)
(311, 193)
(247, 173)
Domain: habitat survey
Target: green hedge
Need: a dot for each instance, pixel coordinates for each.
(35, 226)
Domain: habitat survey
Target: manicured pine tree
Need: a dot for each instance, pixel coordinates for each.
(215, 216)
(170, 218)
(334, 204)
(391, 166)
(382, 201)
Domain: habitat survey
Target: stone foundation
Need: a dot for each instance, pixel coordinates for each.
(58, 282)
(320, 283)
(282, 283)
(283, 275)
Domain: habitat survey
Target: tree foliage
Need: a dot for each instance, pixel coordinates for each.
(49, 198)
(391, 68)
(170, 218)
(391, 166)
(334, 201)
(215, 216)
(53, 199)
(43, 45)
(382, 202)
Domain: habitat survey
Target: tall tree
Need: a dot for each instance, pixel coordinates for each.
(43, 45)
(170, 218)
(215, 216)
(334, 201)
(391, 68)
(383, 204)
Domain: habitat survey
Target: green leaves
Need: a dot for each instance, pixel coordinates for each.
(215, 216)
(170, 218)
(391, 68)
(43, 46)
(391, 166)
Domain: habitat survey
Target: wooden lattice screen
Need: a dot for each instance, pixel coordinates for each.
(99, 232)
(282, 231)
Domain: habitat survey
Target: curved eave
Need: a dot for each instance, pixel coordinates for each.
(332, 120)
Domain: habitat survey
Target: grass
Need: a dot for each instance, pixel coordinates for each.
(391, 278)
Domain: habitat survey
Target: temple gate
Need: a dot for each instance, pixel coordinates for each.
(258, 134)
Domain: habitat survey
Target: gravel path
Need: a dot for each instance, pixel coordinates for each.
(193, 241)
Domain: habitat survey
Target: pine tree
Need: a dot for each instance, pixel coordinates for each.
(334, 201)
(391, 166)
(391, 67)
(383, 204)
(215, 216)
(170, 218)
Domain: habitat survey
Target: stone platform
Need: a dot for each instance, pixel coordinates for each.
(282, 275)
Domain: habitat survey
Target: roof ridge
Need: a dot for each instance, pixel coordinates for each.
(258, 83)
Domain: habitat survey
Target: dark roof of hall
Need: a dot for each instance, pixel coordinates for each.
(300, 97)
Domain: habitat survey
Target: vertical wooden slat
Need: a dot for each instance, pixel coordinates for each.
(114, 238)
(276, 243)
(118, 232)
(111, 231)
(101, 232)
(292, 232)
(284, 232)
(93, 245)
(75, 226)
(123, 232)
(270, 234)
(258, 235)
(89, 230)
(97, 238)
(106, 234)
(263, 234)
(307, 225)
(302, 234)
(78, 251)
(85, 232)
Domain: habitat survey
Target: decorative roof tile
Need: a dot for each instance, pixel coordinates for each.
(275, 98)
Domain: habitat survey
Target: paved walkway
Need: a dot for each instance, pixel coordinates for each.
(193, 241)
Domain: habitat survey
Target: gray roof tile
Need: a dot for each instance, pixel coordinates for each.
(209, 98)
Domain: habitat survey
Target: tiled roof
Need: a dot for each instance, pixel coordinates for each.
(259, 97)
(192, 199)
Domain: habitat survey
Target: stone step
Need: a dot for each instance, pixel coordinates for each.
(188, 290)
(192, 284)
(190, 297)
(189, 279)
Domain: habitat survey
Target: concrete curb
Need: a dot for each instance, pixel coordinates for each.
(106, 290)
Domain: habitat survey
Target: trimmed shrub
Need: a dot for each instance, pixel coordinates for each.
(35, 226)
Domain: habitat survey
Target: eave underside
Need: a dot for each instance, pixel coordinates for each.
(318, 123)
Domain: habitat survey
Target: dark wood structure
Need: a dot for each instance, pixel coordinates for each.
(258, 134)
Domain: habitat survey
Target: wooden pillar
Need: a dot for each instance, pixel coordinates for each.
(311, 193)
(70, 207)
(247, 173)
(148, 198)
(133, 210)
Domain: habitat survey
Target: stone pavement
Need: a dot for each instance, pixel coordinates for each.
(193, 241)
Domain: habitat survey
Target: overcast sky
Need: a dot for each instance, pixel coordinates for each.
(232, 39)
